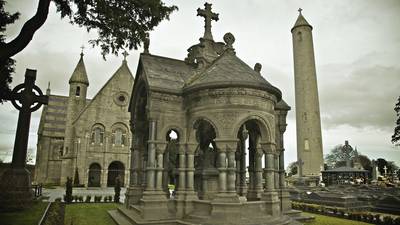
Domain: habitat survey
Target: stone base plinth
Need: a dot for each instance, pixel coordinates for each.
(154, 206)
(15, 190)
(271, 199)
(133, 195)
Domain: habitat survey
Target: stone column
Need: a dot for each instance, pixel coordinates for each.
(190, 149)
(181, 170)
(276, 170)
(258, 171)
(160, 149)
(282, 184)
(270, 196)
(227, 169)
(151, 160)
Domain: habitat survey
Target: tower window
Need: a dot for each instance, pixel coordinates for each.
(78, 91)
(299, 37)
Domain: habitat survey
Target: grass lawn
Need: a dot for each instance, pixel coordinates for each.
(329, 220)
(89, 213)
(26, 217)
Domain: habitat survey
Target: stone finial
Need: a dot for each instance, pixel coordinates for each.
(208, 17)
(229, 39)
(257, 67)
(125, 54)
(146, 44)
(300, 9)
(82, 47)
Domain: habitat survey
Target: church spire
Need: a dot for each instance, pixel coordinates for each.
(301, 21)
(208, 17)
(79, 75)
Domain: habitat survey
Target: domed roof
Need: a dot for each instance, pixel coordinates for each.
(230, 71)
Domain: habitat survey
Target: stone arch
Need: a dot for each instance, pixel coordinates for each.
(115, 169)
(94, 176)
(177, 129)
(265, 128)
(97, 133)
(192, 128)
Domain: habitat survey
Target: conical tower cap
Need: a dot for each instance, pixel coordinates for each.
(79, 75)
(301, 21)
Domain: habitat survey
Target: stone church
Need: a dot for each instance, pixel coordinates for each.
(86, 139)
(228, 121)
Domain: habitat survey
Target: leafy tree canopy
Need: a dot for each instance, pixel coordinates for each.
(121, 24)
(396, 135)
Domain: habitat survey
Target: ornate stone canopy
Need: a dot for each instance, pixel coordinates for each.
(223, 112)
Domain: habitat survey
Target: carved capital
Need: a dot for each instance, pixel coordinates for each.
(268, 147)
(226, 145)
(160, 146)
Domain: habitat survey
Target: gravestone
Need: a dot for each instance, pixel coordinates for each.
(15, 184)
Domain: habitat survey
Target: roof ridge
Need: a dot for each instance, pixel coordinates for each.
(101, 89)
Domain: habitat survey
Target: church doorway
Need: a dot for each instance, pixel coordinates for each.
(94, 175)
(115, 169)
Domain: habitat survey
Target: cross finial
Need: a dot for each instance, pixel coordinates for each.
(82, 47)
(208, 17)
(125, 54)
(300, 9)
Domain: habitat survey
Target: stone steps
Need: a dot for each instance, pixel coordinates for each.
(296, 215)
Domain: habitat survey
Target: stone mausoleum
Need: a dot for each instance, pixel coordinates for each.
(222, 112)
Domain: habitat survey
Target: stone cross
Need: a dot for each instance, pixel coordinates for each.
(15, 183)
(385, 168)
(208, 17)
(29, 101)
(82, 47)
(300, 9)
(300, 167)
(125, 54)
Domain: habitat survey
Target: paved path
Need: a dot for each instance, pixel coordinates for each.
(59, 192)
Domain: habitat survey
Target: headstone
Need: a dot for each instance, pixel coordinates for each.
(15, 185)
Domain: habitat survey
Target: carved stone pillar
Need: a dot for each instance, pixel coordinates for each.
(151, 153)
(190, 148)
(276, 170)
(181, 187)
(258, 187)
(270, 196)
(227, 170)
(160, 149)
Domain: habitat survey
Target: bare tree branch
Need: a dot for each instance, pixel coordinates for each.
(28, 30)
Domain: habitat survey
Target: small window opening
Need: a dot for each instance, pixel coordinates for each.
(78, 91)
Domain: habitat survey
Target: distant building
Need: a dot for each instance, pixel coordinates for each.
(346, 174)
(86, 139)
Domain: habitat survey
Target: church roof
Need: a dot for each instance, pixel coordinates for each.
(301, 21)
(165, 74)
(79, 75)
(121, 71)
(229, 70)
(176, 76)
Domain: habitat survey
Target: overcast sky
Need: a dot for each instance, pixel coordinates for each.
(357, 51)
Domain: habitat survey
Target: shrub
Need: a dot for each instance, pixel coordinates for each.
(97, 198)
(57, 200)
(80, 198)
(68, 190)
(88, 198)
(396, 221)
(387, 220)
(335, 210)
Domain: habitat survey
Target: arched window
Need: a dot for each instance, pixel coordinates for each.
(119, 137)
(78, 91)
(97, 135)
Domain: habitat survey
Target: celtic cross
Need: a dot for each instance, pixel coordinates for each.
(208, 17)
(30, 98)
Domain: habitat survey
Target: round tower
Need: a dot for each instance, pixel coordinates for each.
(308, 121)
(78, 84)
